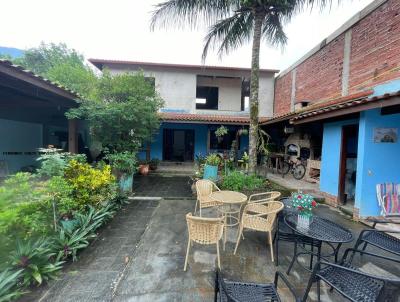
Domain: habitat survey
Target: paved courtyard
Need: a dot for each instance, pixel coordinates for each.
(139, 256)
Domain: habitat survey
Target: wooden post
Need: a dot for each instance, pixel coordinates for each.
(73, 136)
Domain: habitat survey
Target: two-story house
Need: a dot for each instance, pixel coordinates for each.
(198, 99)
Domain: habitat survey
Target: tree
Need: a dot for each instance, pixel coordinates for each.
(60, 64)
(124, 113)
(233, 23)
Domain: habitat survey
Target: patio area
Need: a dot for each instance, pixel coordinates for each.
(140, 255)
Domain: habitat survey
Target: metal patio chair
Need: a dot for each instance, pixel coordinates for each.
(204, 188)
(232, 291)
(349, 281)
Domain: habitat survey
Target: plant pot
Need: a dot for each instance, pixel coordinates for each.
(210, 172)
(125, 182)
(144, 169)
(304, 221)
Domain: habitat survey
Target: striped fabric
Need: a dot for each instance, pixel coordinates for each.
(389, 199)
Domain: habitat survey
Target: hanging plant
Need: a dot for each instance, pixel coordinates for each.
(243, 131)
(221, 132)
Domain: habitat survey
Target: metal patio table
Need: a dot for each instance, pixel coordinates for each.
(320, 231)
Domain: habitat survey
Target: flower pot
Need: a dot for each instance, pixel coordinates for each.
(125, 182)
(144, 169)
(210, 172)
(304, 220)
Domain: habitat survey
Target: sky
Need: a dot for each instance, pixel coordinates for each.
(120, 30)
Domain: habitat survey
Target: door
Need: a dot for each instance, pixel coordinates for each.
(348, 165)
(178, 145)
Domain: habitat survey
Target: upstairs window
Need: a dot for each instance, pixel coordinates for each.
(207, 97)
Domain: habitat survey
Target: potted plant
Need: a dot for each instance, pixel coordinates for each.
(304, 203)
(220, 133)
(211, 167)
(124, 165)
(243, 132)
(144, 167)
(153, 164)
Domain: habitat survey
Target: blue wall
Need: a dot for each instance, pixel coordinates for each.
(200, 137)
(377, 162)
(330, 164)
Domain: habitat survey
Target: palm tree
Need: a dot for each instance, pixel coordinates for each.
(233, 23)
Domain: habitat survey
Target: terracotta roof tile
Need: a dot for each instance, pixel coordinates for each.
(210, 118)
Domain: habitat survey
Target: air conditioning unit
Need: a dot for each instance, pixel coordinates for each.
(288, 130)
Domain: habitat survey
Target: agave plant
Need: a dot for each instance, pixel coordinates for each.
(68, 244)
(8, 285)
(34, 259)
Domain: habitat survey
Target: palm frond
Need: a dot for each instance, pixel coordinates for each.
(273, 31)
(229, 33)
(180, 13)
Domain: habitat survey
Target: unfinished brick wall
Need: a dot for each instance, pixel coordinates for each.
(374, 59)
(283, 90)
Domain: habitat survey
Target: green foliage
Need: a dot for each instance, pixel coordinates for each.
(68, 244)
(221, 131)
(60, 192)
(8, 285)
(125, 115)
(213, 159)
(61, 64)
(90, 186)
(238, 181)
(124, 162)
(263, 144)
(34, 258)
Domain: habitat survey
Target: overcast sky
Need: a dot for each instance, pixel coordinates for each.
(119, 30)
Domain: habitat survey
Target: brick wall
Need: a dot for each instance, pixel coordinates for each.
(374, 57)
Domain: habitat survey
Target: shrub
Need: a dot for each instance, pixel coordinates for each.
(213, 159)
(238, 181)
(34, 258)
(90, 186)
(67, 244)
(124, 162)
(8, 285)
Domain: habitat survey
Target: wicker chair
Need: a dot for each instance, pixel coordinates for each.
(263, 198)
(204, 188)
(204, 231)
(350, 282)
(232, 291)
(260, 217)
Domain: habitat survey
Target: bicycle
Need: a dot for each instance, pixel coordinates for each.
(296, 168)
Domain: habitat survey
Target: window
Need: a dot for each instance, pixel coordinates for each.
(223, 143)
(207, 97)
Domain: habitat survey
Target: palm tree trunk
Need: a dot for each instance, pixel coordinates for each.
(254, 85)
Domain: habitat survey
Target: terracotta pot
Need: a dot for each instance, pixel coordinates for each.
(144, 169)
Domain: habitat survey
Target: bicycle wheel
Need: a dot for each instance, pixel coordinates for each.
(284, 169)
(299, 171)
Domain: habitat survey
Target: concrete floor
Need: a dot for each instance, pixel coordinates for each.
(140, 255)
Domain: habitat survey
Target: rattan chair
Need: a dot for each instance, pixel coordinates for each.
(260, 217)
(263, 198)
(204, 188)
(232, 291)
(204, 231)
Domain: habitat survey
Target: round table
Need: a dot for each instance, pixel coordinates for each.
(231, 203)
(321, 230)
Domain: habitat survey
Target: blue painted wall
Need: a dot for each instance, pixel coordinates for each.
(392, 86)
(376, 162)
(200, 137)
(330, 164)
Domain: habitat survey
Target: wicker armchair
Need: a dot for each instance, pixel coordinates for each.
(263, 198)
(350, 282)
(231, 291)
(260, 217)
(204, 231)
(204, 188)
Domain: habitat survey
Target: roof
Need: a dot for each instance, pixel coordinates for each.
(353, 105)
(99, 63)
(23, 74)
(209, 118)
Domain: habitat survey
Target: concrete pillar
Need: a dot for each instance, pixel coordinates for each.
(73, 136)
(293, 91)
(346, 63)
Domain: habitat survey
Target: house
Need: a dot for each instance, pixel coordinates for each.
(32, 116)
(198, 99)
(346, 93)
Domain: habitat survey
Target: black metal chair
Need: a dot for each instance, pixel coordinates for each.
(284, 233)
(232, 291)
(350, 282)
(380, 239)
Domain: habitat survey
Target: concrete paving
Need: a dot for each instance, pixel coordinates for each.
(140, 256)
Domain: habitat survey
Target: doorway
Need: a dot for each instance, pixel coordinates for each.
(348, 166)
(178, 145)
